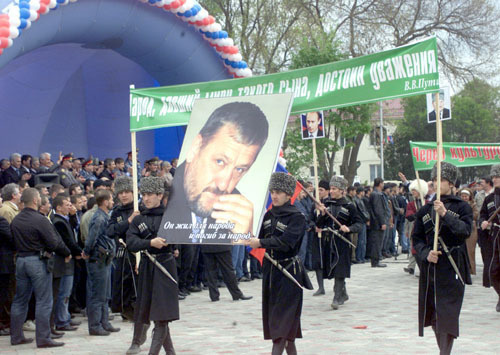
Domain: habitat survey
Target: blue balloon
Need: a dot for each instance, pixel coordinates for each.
(61, 1)
(24, 5)
(234, 64)
(23, 24)
(25, 13)
(196, 8)
(223, 34)
(227, 61)
(188, 13)
(244, 64)
(152, 1)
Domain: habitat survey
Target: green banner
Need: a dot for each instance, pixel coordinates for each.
(424, 154)
(399, 72)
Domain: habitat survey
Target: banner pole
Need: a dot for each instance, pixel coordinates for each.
(419, 189)
(439, 144)
(135, 187)
(316, 183)
(381, 113)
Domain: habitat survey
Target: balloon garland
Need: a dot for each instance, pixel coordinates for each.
(20, 15)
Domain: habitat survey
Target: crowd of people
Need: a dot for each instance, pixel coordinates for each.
(71, 242)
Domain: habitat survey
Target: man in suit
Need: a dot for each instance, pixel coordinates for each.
(314, 127)
(14, 173)
(443, 111)
(378, 222)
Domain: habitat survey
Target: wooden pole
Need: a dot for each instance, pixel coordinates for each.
(439, 143)
(135, 187)
(316, 183)
(422, 199)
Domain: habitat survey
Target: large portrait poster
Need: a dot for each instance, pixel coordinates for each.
(227, 158)
(312, 125)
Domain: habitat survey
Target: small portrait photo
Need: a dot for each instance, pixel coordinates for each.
(312, 125)
(442, 106)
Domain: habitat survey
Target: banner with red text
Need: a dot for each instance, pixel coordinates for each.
(424, 154)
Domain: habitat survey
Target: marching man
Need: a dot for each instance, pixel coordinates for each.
(281, 234)
(445, 271)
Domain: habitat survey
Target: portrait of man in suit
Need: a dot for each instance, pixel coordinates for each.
(312, 125)
(442, 106)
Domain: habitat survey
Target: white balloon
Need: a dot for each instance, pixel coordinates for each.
(52, 4)
(217, 27)
(35, 5)
(14, 32)
(33, 15)
(10, 42)
(14, 21)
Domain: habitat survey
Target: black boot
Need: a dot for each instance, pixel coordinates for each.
(144, 334)
(159, 334)
(321, 288)
(137, 339)
(290, 348)
(168, 345)
(345, 296)
(337, 293)
(278, 346)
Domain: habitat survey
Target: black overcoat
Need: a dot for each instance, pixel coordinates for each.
(440, 290)
(281, 234)
(336, 252)
(157, 295)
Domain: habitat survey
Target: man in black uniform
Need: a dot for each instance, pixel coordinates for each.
(441, 291)
(35, 240)
(337, 253)
(490, 235)
(124, 284)
(157, 294)
(281, 234)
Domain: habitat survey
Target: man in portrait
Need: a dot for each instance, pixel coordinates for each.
(313, 125)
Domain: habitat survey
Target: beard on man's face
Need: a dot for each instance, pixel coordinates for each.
(199, 204)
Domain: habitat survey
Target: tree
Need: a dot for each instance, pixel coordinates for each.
(350, 123)
(475, 119)
(266, 32)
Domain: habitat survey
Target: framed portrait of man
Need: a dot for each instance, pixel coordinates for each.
(312, 125)
(228, 155)
(443, 106)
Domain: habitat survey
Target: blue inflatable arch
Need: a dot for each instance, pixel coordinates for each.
(65, 71)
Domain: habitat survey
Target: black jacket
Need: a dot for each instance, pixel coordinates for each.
(10, 175)
(67, 234)
(118, 222)
(439, 287)
(6, 248)
(33, 232)
(378, 210)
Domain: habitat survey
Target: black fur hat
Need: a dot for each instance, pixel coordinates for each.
(448, 172)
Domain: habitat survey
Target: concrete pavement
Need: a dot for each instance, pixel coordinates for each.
(384, 300)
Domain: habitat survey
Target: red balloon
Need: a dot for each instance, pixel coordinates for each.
(182, 2)
(4, 32)
(4, 42)
(45, 2)
(167, 7)
(1, 51)
(175, 4)
(211, 19)
(43, 9)
(4, 23)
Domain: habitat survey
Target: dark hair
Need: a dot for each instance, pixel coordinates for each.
(91, 203)
(250, 122)
(350, 188)
(87, 183)
(119, 160)
(108, 161)
(488, 181)
(74, 198)
(360, 189)
(29, 195)
(58, 201)
(56, 188)
(22, 183)
(72, 188)
(25, 157)
(378, 181)
(101, 196)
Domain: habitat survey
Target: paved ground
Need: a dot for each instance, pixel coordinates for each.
(383, 300)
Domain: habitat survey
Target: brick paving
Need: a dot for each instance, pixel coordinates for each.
(382, 300)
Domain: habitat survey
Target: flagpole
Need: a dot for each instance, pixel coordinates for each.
(135, 187)
(439, 143)
(381, 113)
(316, 183)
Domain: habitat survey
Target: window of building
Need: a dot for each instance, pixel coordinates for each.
(375, 171)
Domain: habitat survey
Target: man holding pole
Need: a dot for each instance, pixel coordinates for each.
(282, 231)
(445, 270)
(490, 228)
(337, 252)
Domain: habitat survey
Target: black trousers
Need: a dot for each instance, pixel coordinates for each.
(5, 300)
(186, 261)
(225, 262)
(192, 275)
(376, 239)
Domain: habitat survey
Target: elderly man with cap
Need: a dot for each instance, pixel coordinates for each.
(490, 235)
(337, 252)
(281, 234)
(67, 178)
(157, 294)
(441, 289)
(87, 171)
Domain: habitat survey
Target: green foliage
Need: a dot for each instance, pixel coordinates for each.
(475, 119)
(346, 123)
